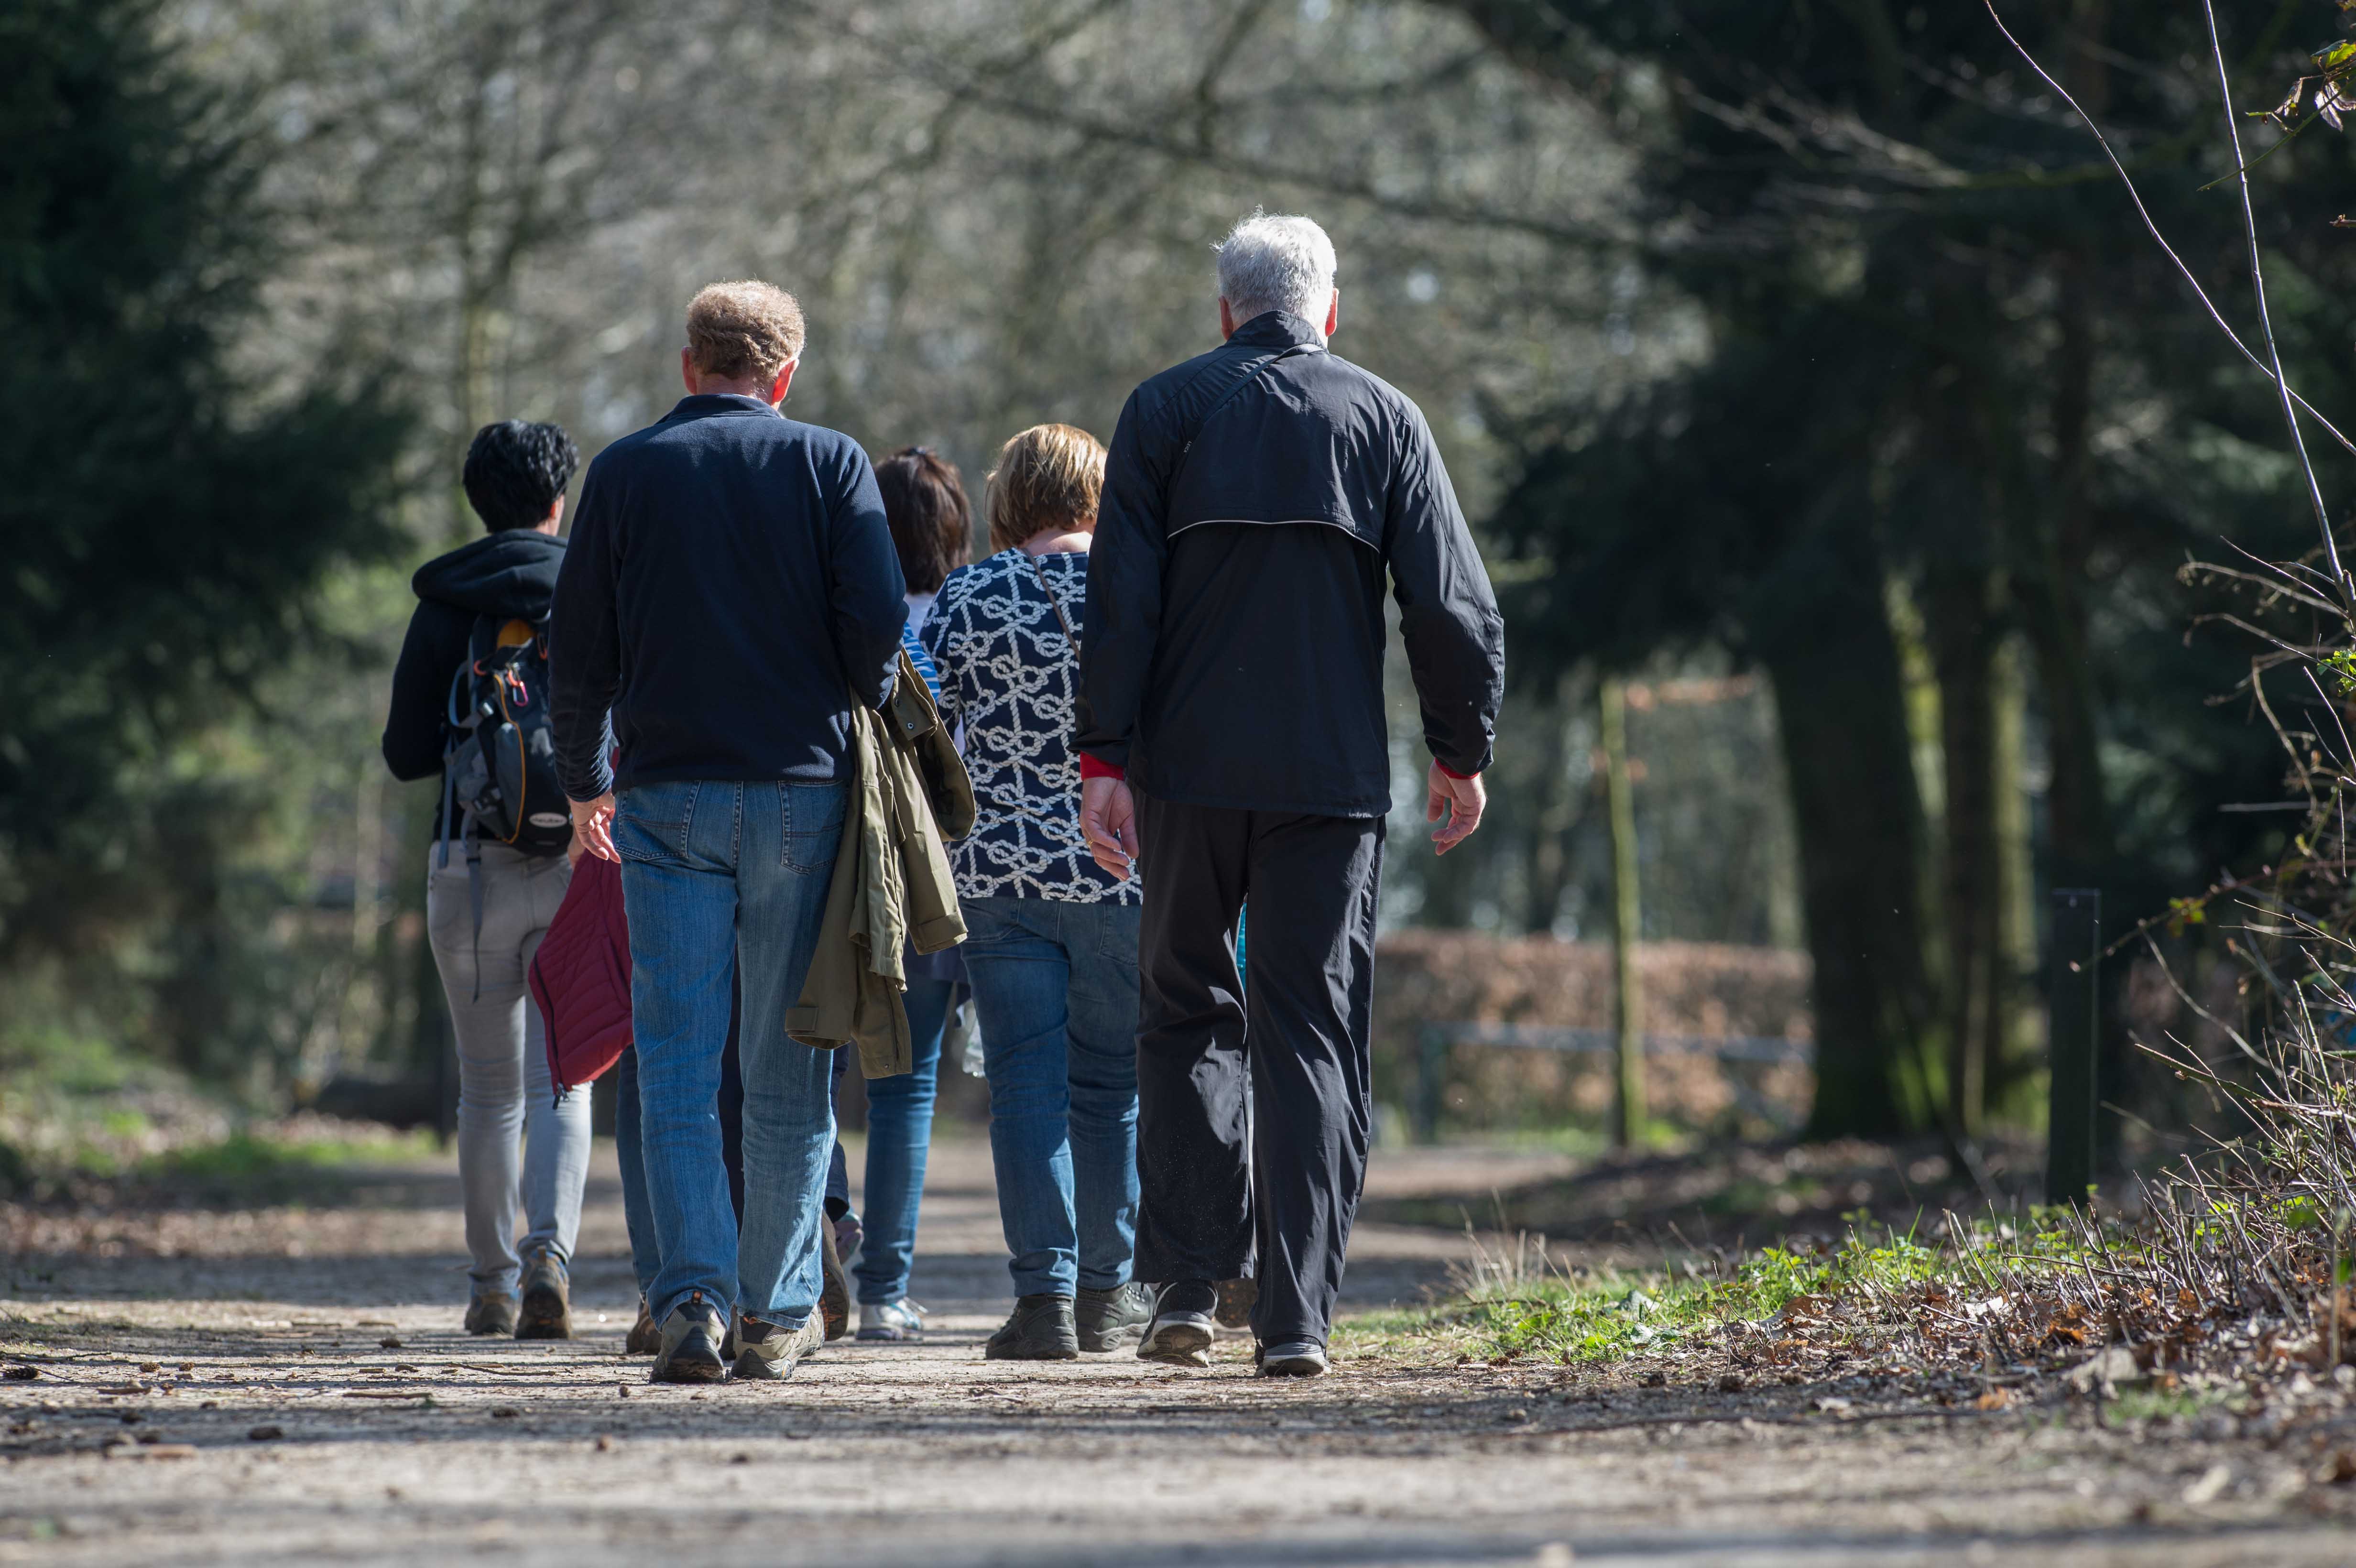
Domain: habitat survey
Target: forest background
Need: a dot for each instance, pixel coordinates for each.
(1800, 363)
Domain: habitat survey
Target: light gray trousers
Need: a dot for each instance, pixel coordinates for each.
(505, 1094)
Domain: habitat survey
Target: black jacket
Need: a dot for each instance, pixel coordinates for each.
(511, 574)
(730, 590)
(1234, 650)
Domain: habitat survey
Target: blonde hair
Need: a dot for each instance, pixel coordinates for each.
(1047, 478)
(744, 330)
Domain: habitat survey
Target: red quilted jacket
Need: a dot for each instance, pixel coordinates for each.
(581, 977)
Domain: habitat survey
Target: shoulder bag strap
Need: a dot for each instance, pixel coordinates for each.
(1071, 638)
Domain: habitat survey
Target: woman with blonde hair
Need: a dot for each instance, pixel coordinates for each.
(1051, 945)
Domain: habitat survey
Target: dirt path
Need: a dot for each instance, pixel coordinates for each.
(149, 1436)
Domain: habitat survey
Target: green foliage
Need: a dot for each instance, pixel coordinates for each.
(172, 501)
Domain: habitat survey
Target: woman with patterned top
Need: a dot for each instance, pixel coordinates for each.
(1050, 944)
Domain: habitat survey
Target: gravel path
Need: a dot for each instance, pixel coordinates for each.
(290, 1386)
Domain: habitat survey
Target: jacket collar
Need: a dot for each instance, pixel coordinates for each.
(704, 405)
(1278, 329)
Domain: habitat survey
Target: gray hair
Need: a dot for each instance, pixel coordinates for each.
(1280, 262)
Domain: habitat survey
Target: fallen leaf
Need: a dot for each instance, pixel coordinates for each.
(1995, 1399)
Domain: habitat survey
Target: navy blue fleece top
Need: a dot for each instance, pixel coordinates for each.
(730, 590)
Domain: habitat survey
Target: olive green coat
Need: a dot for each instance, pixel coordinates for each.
(891, 888)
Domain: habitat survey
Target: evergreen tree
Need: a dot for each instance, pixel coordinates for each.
(172, 491)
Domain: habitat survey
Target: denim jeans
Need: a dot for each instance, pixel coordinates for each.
(712, 869)
(518, 1143)
(899, 1136)
(646, 1258)
(1056, 984)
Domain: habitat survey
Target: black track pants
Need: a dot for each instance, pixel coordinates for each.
(1285, 1168)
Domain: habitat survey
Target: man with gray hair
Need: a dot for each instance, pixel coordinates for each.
(1233, 742)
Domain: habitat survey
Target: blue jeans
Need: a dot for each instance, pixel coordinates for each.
(1056, 984)
(899, 1136)
(711, 869)
(646, 1258)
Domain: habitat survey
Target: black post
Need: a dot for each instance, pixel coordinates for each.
(2073, 1023)
(1430, 1060)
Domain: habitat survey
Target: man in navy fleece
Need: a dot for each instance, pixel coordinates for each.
(730, 590)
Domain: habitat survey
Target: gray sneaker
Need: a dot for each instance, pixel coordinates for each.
(1181, 1330)
(1039, 1330)
(547, 1310)
(1291, 1359)
(491, 1312)
(692, 1337)
(769, 1353)
(1107, 1319)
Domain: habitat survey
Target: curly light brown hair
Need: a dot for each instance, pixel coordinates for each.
(744, 330)
(1047, 478)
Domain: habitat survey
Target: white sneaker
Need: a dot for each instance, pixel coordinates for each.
(901, 1320)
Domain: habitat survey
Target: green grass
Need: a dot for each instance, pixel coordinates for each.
(1513, 1308)
(247, 1166)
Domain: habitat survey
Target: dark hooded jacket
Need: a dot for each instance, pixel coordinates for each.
(511, 574)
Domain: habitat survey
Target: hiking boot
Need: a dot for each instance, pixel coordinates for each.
(547, 1310)
(834, 1289)
(689, 1352)
(1237, 1299)
(895, 1321)
(1107, 1319)
(1039, 1330)
(769, 1353)
(491, 1312)
(1291, 1359)
(646, 1335)
(1181, 1329)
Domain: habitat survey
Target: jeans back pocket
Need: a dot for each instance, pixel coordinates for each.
(812, 819)
(651, 822)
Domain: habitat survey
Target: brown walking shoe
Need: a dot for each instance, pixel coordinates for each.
(547, 1310)
(645, 1334)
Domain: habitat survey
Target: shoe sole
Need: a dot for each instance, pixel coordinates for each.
(690, 1372)
(1176, 1344)
(1029, 1353)
(753, 1366)
(1293, 1367)
(545, 1315)
(1237, 1299)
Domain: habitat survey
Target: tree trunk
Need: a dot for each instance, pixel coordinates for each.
(1963, 646)
(1841, 710)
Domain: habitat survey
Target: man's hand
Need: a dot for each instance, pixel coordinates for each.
(1109, 817)
(1459, 801)
(593, 825)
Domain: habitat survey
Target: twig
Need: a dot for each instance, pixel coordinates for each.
(2161, 240)
(2265, 320)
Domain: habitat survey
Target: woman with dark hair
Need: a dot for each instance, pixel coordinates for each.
(932, 526)
(1052, 936)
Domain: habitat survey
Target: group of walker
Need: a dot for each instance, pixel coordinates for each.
(1165, 687)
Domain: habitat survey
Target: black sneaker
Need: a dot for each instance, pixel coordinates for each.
(691, 1337)
(1107, 1319)
(1291, 1359)
(1039, 1330)
(547, 1310)
(1181, 1330)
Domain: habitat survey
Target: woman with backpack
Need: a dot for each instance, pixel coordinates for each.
(469, 704)
(1051, 948)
